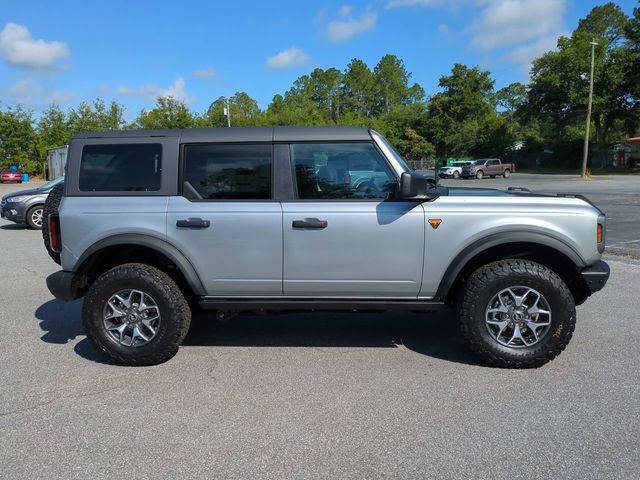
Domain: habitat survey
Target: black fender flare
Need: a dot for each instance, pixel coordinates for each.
(502, 238)
(154, 243)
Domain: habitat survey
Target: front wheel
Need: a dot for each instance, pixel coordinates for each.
(479, 174)
(516, 314)
(135, 314)
(456, 174)
(35, 217)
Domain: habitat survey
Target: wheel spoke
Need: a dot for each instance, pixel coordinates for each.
(502, 325)
(517, 335)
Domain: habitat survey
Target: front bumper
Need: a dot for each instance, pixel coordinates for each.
(596, 276)
(65, 286)
(13, 211)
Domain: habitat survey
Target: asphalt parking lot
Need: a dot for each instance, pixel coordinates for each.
(321, 395)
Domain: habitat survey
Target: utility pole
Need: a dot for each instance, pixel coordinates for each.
(585, 154)
(227, 112)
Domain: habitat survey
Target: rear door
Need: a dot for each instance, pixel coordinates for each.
(494, 167)
(225, 220)
(344, 235)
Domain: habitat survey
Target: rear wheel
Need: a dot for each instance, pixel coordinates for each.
(479, 174)
(34, 217)
(516, 314)
(507, 173)
(135, 314)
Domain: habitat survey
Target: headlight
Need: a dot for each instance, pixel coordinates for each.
(18, 199)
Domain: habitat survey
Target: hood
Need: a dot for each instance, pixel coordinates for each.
(494, 192)
(32, 191)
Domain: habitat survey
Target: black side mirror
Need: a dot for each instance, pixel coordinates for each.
(413, 185)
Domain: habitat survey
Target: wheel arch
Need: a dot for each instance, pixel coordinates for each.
(554, 253)
(125, 248)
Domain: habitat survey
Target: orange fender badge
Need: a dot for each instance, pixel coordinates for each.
(434, 222)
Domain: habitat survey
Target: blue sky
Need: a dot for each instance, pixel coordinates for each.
(65, 51)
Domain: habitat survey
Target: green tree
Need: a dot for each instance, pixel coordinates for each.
(392, 85)
(458, 113)
(95, 117)
(559, 85)
(244, 112)
(19, 140)
(358, 89)
(168, 113)
(53, 129)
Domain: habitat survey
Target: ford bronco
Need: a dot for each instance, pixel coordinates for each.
(152, 224)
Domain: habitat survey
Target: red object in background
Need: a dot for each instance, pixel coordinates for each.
(9, 176)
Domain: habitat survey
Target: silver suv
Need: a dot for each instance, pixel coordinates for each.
(152, 224)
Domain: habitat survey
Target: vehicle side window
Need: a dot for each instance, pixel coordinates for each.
(121, 168)
(227, 171)
(493, 162)
(340, 171)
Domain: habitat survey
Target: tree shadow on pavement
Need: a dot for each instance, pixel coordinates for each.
(434, 335)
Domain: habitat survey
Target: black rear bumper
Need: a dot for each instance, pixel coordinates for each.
(596, 276)
(64, 285)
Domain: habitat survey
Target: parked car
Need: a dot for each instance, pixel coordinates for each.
(487, 167)
(452, 171)
(7, 176)
(151, 223)
(26, 206)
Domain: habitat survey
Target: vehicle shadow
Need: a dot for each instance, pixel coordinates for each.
(433, 335)
(61, 323)
(14, 226)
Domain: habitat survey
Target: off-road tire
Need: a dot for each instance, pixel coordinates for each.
(175, 314)
(51, 206)
(506, 173)
(479, 174)
(486, 282)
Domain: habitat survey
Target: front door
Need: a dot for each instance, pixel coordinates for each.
(226, 222)
(344, 235)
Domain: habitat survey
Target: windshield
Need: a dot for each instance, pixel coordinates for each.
(403, 163)
(52, 183)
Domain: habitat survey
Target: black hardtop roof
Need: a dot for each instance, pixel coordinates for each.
(243, 134)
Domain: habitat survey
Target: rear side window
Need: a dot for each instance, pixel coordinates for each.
(227, 172)
(121, 168)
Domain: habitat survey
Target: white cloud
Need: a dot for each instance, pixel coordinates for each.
(59, 97)
(526, 53)
(152, 92)
(20, 49)
(343, 30)
(24, 92)
(206, 73)
(345, 11)
(509, 22)
(443, 28)
(291, 57)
